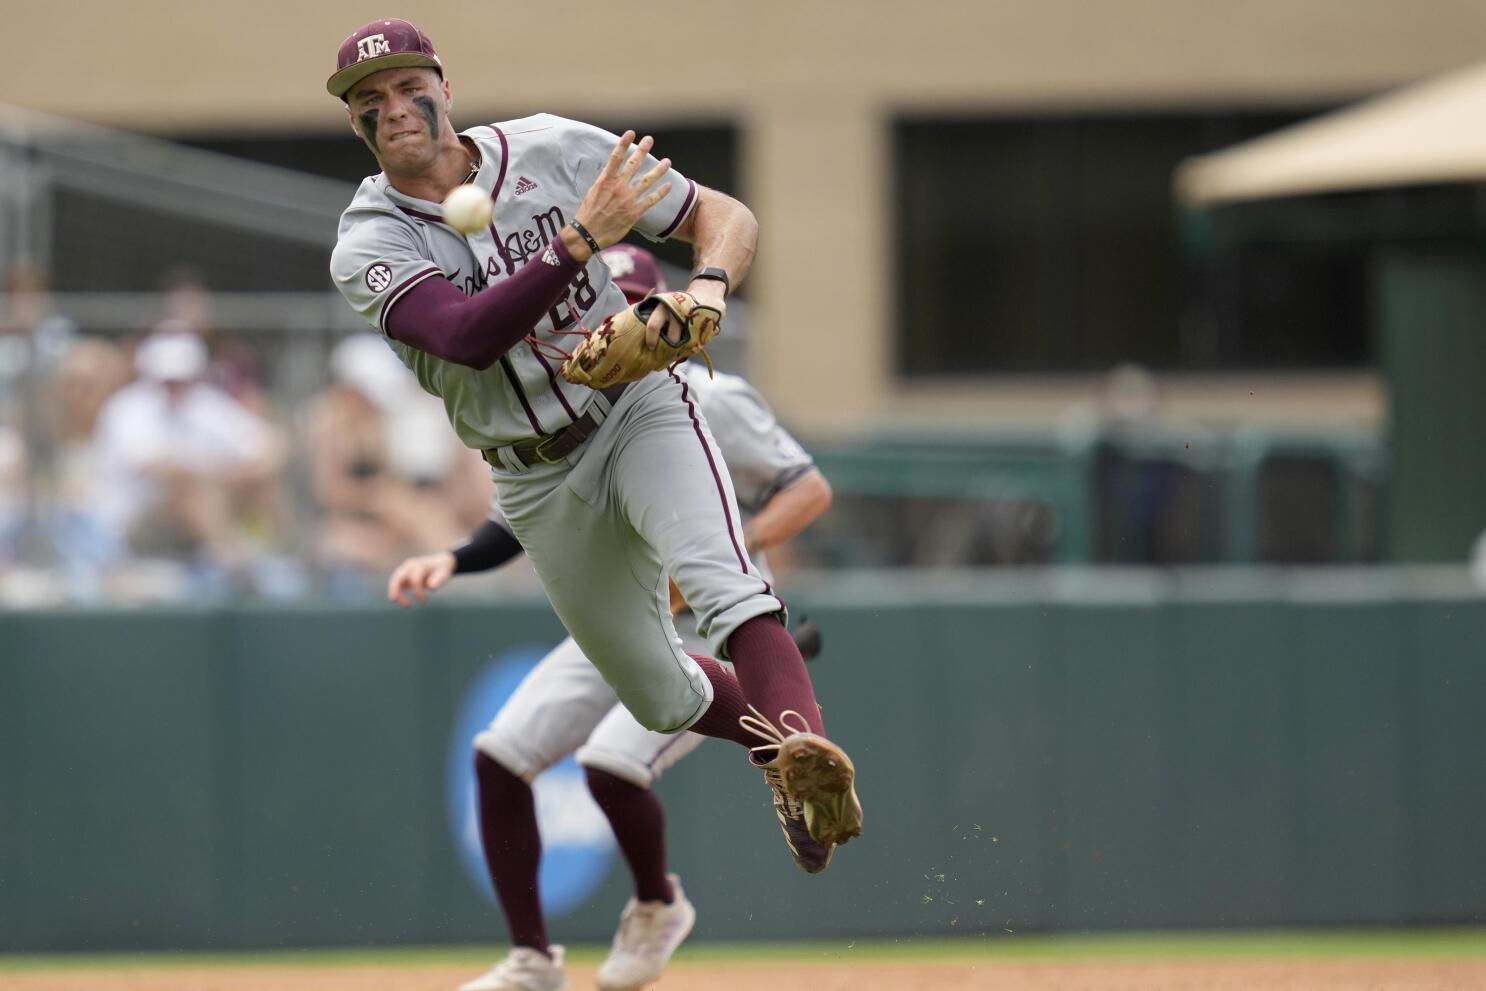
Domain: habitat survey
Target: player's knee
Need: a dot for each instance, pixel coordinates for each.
(493, 748)
(655, 715)
(612, 764)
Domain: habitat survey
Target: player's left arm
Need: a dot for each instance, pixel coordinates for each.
(723, 234)
(799, 503)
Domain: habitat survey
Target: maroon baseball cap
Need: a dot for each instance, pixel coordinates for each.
(635, 270)
(386, 44)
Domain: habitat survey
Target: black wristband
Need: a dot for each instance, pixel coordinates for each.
(489, 547)
(583, 233)
(716, 274)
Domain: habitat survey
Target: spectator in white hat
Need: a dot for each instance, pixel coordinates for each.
(177, 458)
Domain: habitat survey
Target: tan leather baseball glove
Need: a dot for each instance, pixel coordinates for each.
(616, 351)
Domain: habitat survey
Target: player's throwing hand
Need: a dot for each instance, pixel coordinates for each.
(616, 200)
(419, 576)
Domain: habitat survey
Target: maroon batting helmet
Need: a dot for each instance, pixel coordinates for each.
(635, 271)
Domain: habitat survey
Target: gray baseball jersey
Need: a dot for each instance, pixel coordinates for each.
(565, 704)
(537, 170)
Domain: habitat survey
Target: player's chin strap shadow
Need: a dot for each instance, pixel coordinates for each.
(759, 726)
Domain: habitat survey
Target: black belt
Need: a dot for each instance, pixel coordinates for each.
(553, 447)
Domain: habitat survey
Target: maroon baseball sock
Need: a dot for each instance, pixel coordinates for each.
(721, 718)
(639, 825)
(513, 850)
(772, 672)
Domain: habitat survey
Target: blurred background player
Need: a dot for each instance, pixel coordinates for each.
(564, 704)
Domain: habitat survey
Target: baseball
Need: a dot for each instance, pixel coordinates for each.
(467, 209)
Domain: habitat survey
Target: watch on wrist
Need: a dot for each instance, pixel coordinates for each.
(713, 273)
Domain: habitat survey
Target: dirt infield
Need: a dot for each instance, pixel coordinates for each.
(1299, 975)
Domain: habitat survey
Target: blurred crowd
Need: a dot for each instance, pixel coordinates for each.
(156, 465)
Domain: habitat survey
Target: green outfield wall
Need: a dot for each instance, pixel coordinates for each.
(1067, 750)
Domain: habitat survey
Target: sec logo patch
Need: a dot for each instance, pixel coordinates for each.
(378, 277)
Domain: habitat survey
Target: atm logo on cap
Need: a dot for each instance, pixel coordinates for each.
(371, 46)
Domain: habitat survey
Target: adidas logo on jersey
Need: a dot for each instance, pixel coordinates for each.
(524, 185)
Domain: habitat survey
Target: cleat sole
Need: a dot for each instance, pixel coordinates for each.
(820, 775)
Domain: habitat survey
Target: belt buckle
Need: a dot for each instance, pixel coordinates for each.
(542, 454)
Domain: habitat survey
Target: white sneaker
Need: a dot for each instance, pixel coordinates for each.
(523, 969)
(649, 932)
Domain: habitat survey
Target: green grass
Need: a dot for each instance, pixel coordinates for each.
(1277, 944)
(999, 946)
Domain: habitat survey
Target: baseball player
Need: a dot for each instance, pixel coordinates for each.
(564, 704)
(608, 490)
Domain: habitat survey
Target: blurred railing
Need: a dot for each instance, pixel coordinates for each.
(1150, 493)
(100, 208)
(292, 333)
(1136, 492)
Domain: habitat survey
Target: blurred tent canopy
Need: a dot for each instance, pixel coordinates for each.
(1429, 132)
(1421, 276)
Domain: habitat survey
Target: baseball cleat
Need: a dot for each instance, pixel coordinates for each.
(523, 969)
(822, 777)
(813, 771)
(649, 932)
(810, 856)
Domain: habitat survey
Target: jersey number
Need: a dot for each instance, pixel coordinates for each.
(582, 296)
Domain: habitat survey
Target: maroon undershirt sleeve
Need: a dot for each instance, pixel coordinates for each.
(476, 330)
